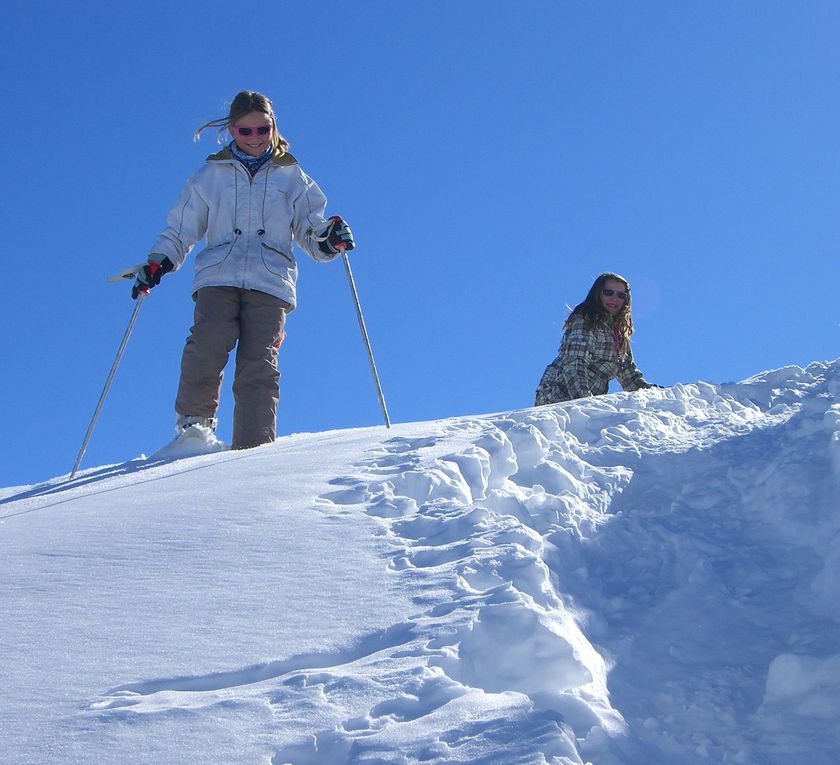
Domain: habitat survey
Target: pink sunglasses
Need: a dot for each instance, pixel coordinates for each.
(261, 130)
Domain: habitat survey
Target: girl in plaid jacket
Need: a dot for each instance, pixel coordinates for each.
(595, 347)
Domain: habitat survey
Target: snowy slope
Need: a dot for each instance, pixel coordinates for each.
(639, 578)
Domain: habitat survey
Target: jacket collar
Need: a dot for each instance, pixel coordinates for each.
(280, 157)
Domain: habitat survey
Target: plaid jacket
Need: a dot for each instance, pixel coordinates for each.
(585, 365)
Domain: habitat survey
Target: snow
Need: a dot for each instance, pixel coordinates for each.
(638, 578)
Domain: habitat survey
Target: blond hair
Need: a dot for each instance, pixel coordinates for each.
(245, 102)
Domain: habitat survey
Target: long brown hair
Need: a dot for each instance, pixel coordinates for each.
(593, 311)
(245, 102)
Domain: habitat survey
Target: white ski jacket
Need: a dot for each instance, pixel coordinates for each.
(249, 224)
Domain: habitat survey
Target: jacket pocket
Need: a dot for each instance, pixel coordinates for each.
(276, 261)
(213, 256)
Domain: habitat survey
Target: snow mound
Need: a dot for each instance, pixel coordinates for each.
(804, 685)
(636, 578)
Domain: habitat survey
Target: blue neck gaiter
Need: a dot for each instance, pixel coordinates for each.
(252, 164)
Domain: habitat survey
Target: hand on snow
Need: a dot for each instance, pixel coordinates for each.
(149, 276)
(335, 236)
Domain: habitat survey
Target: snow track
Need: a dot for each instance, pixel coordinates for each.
(630, 579)
(532, 526)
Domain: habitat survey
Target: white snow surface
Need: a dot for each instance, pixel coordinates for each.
(635, 578)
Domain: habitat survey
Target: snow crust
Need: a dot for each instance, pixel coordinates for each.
(637, 578)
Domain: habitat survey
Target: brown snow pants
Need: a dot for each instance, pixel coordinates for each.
(253, 322)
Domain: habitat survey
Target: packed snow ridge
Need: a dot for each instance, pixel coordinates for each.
(636, 578)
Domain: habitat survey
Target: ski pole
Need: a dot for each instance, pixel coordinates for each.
(108, 382)
(365, 337)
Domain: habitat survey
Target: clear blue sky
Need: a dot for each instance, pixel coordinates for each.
(492, 158)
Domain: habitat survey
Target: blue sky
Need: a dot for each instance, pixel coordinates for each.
(492, 158)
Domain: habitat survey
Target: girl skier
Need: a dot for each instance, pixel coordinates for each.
(252, 201)
(595, 347)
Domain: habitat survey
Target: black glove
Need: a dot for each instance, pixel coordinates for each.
(335, 237)
(149, 276)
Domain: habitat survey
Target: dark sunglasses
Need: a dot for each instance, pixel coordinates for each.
(609, 293)
(261, 130)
